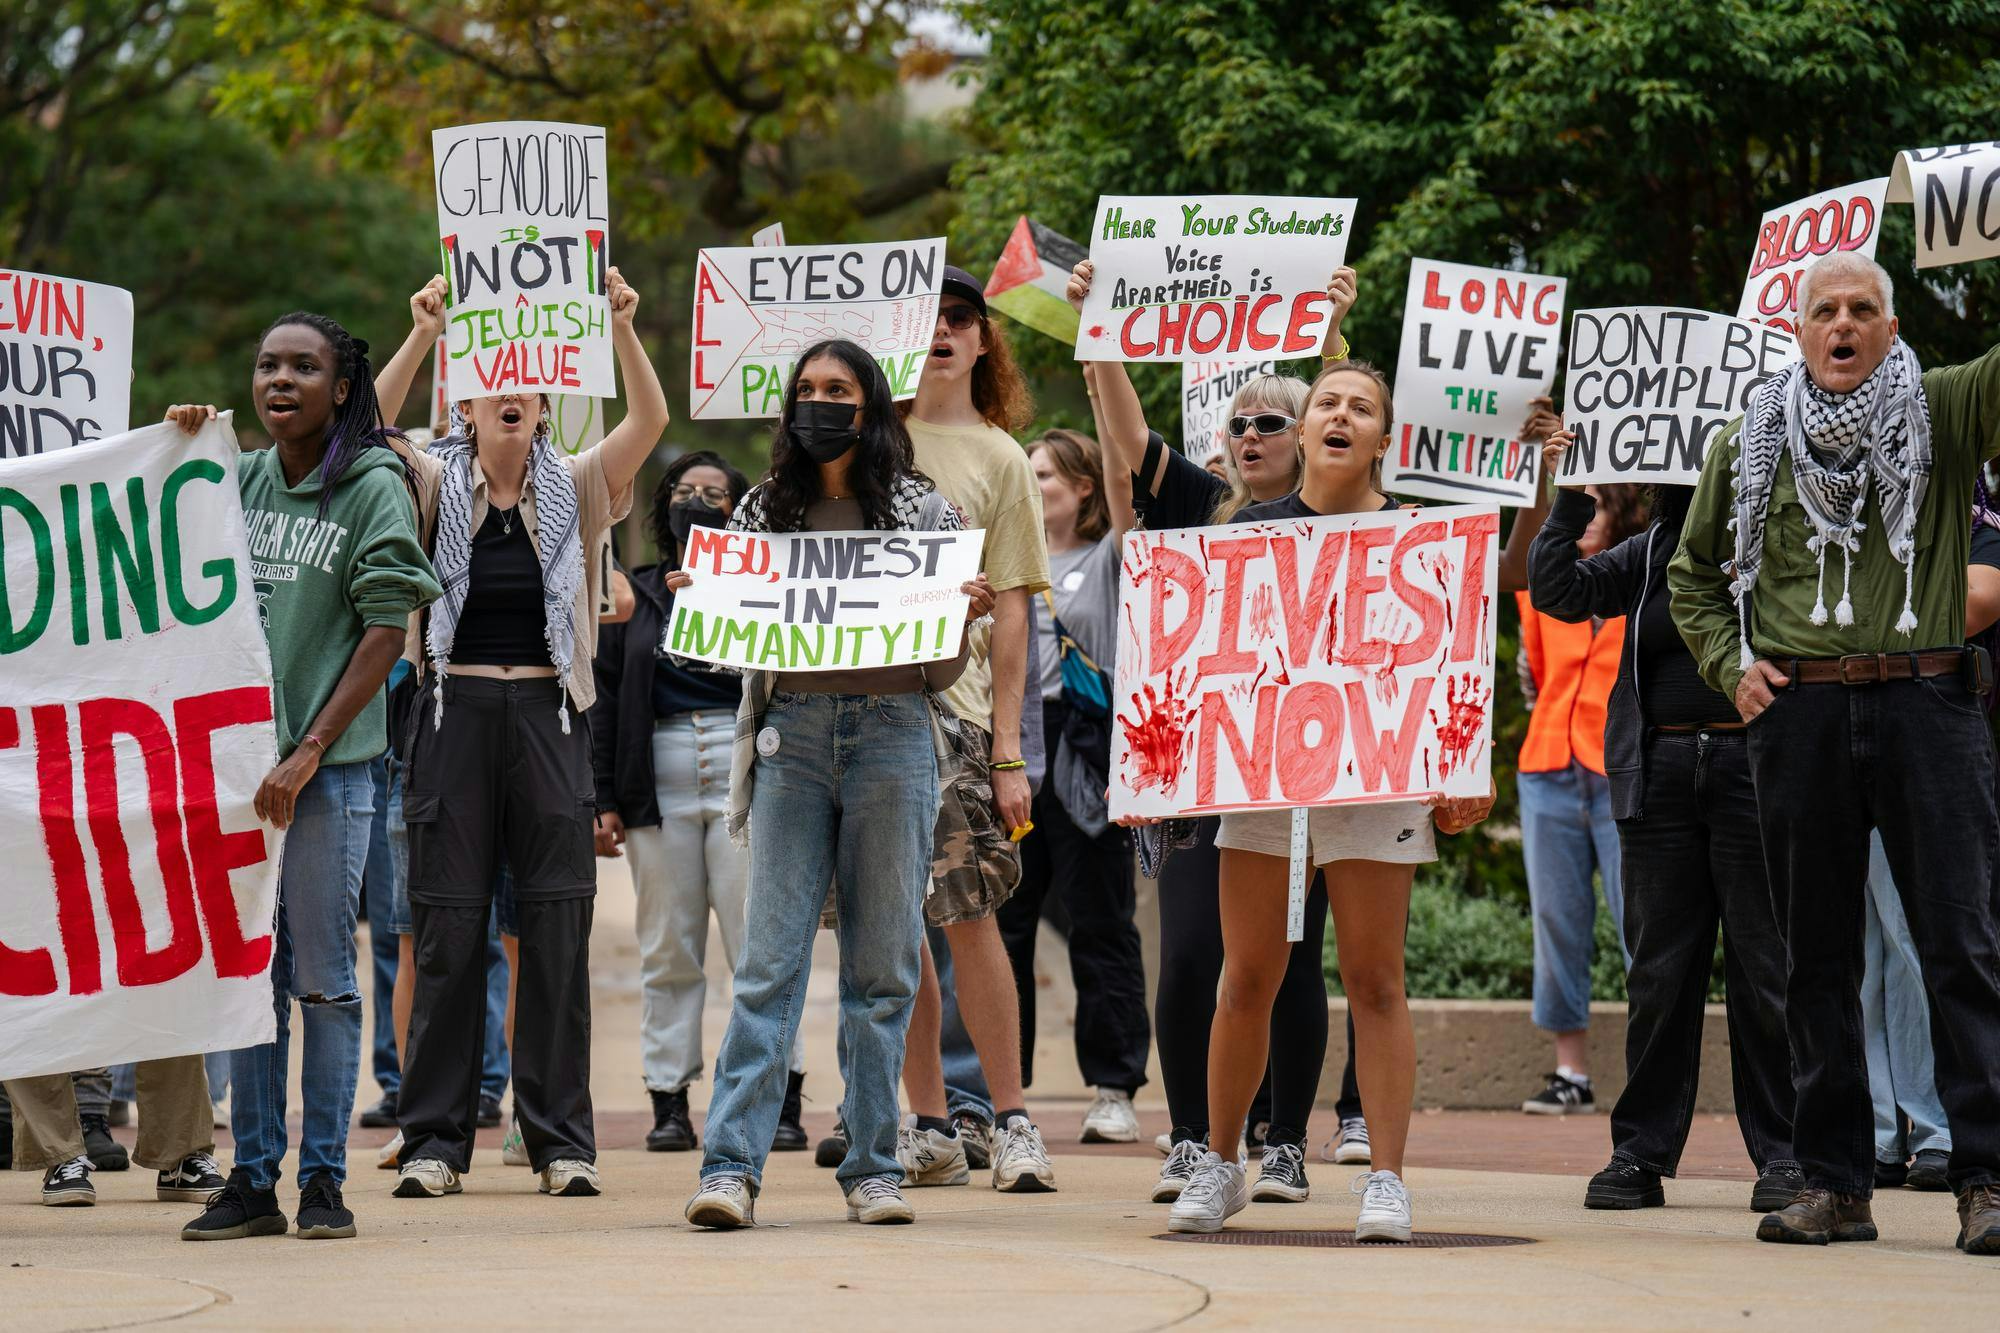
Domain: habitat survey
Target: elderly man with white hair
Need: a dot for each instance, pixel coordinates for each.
(1849, 481)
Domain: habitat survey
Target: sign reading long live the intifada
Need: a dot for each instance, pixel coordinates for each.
(1327, 661)
(1215, 277)
(524, 235)
(1790, 240)
(135, 727)
(822, 601)
(756, 308)
(65, 362)
(1479, 344)
(1650, 386)
(1956, 194)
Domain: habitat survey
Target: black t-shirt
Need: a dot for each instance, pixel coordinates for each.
(691, 688)
(1293, 506)
(1985, 546)
(1671, 690)
(1188, 492)
(502, 623)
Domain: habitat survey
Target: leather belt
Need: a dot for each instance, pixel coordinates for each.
(1696, 728)
(1875, 668)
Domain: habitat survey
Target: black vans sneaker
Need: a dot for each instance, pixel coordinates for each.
(196, 1180)
(105, 1153)
(322, 1214)
(1563, 1096)
(1624, 1185)
(67, 1184)
(832, 1149)
(239, 1211)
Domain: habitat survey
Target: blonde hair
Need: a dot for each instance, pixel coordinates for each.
(1285, 393)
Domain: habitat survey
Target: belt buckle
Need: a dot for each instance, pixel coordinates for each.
(1875, 662)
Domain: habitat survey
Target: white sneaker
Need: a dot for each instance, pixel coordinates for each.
(878, 1199)
(427, 1178)
(1165, 1143)
(723, 1203)
(571, 1178)
(1110, 1118)
(385, 1160)
(1178, 1169)
(514, 1149)
(1349, 1144)
(1021, 1164)
(930, 1158)
(1216, 1192)
(219, 1111)
(1385, 1207)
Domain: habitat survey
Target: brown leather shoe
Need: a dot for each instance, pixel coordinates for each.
(1818, 1216)
(1979, 1219)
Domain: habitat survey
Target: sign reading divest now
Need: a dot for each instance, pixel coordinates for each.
(1207, 389)
(756, 308)
(135, 726)
(822, 601)
(65, 362)
(1478, 345)
(1956, 193)
(1650, 386)
(524, 237)
(1216, 277)
(1792, 239)
(1328, 661)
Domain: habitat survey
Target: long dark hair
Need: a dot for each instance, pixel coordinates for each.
(358, 423)
(657, 518)
(884, 454)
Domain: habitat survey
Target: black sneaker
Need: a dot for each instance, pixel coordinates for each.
(672, 1131)
(1282, 1178)
(1927, 1172)
(238, 1211)
(1891, 1175)
(791, 1135)
(489, 1112)
(105, 1153)
(67, 1184)
(1563, 1096)
(382, 1115)
(1254, 1135)
(322, 1214)
(196, 1180)
(1777, 1186)
(1625, 1185)
(6, 1145)
(975, 1131)
(832, 1149)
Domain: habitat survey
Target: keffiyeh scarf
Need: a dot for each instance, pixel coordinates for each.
(1841, 447)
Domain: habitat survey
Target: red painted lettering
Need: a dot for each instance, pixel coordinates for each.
(1229, 658)
(1166, 646)
(1478, 530)
(1305, 615)
(1384, 757)
(99, 720)
(1356, 648)
(22, 971)
(1428, 606)
(1253, 760)
(213, 852)
(1307, 770)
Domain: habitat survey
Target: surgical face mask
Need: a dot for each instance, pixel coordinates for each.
(824, 430)
(688, 515)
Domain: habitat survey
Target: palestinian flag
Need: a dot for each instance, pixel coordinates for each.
(1029, 280)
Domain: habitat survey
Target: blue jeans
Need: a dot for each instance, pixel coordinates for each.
(319, 895)
(1567, 832)
(964, 1080)
(379, 875)
(1896, 1024)
(851, 797)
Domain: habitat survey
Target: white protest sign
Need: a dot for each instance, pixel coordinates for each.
(771, 235)
(820, 601)
(756, 308)
(1215, 277)
(1478, 345)
(1300, 662)
(1792, 239)
(1650, 386)
(65, 362)
(1956, 193)
(1207, 387)
(524, 238)
(575, 421)
(135, 727)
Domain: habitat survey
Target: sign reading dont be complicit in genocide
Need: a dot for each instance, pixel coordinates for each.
(65, 362)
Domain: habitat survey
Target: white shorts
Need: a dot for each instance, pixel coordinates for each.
(1398, 832)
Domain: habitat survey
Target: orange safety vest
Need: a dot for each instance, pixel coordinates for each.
(1575, 668)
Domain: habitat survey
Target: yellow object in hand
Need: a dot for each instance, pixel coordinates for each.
(1022, 831)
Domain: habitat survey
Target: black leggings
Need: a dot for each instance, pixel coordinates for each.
(1190, 971)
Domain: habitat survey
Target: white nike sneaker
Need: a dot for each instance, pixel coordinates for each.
(386, 1160)
(1385, 1207)
(570, 1177)
(1021, 1163)
(1110, 1118)
(513, 1148)
(1215, 1193)
(878, 1199)
(930, 1158)
(1178, 1169)
(723, 1203)
(427, 1178)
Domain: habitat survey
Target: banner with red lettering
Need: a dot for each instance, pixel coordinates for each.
(1793, 238)
(1214, 277)
(1301, 662)
(65, 362)
(135, 725)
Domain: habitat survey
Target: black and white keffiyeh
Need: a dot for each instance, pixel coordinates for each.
(1841, 446)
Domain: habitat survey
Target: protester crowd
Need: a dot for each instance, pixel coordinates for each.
(465, 729)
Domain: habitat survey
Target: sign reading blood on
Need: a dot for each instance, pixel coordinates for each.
(65, 362)
(1214, 277)
(524, 237)
(1956, 194)
(1791, 239)
(1478, 345)
(1327, 661)
(756, 308)
(822, 601)
(135, 726)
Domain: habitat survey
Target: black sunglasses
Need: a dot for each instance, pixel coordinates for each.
(1265, 423)
(958, 318)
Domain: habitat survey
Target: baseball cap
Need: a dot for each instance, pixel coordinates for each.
(959, 283)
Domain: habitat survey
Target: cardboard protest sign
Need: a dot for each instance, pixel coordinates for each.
(769, 236)
(1327, 661)
(1956, 193)
(1478, 345)
(65, 362)
(1206, 390)
(756, 308)
(1216, 277)
(1792, 239)
(524, 234)
(818, 601)
(1031, 279)
(1650, 386)
(135, 727)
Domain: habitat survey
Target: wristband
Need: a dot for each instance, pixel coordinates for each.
(1008, 766)
(1340, 355)
(315, 742)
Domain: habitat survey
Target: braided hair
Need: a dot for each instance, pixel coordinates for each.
(358, 422)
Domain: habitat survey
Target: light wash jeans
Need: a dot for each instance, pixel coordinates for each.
(1896, 1024)
(682, 869)
(1566, 833)
(851, 796)
(964, 1078)
(319, 894)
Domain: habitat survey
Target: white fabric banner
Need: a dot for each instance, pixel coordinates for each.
(1956, 194)
(135, 726)
(65, 362)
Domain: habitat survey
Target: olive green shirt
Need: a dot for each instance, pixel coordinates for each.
(1965, 431)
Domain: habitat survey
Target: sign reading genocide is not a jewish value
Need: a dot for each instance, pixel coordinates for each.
(65, 362)
(524, 237)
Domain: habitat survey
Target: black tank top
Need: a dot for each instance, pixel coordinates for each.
(502, 622)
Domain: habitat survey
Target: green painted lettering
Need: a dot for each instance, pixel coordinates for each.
(222, 569)
(14, 638)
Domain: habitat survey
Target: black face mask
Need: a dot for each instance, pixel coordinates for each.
(823, 430)
(691, 514)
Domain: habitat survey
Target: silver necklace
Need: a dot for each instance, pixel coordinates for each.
(507, 520)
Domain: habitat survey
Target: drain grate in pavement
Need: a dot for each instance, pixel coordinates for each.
(1341, 1240)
